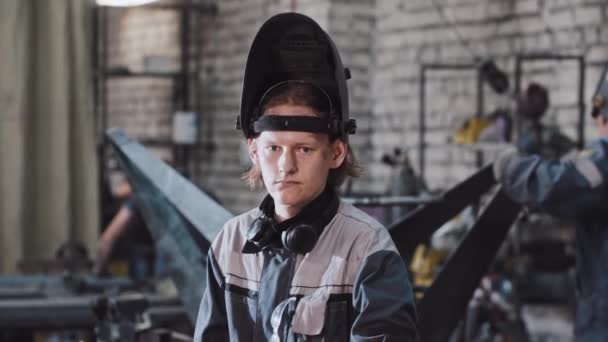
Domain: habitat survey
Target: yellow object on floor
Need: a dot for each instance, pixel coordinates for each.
(469, 132)
(425, 265)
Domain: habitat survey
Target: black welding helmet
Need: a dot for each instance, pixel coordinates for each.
(291, 47)
(600, 98)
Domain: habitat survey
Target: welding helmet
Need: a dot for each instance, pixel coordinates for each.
(291, 47)
(600, 98)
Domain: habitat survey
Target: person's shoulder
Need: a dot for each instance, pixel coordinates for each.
(598, 147)
(359, 223)
(357, 219)
(234, 230)
(597, 151)
(355, 227)
(239, 220)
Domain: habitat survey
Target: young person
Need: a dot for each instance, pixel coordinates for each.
(304, 266)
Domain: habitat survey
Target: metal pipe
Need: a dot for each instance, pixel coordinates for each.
(184, 54)
(517, 93)
(391, 200)
(422, 101)
(421, 122)
(51, 313)
(581, 102)
(480, 110)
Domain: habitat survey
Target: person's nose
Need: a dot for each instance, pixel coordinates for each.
(287, 162)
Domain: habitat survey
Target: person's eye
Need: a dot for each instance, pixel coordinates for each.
(273, 148)
(306, 149)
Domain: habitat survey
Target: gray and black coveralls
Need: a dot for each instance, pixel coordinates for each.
(575, 189)
(352, 286)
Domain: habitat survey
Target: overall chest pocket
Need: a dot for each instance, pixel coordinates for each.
(241, 309)
(322, 322)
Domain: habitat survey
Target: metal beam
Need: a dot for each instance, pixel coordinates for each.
(445, 301)
(181, 217)
(418, 226)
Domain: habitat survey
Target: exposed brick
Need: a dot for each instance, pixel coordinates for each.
(588, 15)
(384, 43)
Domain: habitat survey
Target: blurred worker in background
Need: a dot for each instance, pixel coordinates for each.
(536, 137)
(575, 189)
(126, 239)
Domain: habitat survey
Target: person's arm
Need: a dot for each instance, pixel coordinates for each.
(566, 188)
(117, 227)
(383, 300)
(212, 324)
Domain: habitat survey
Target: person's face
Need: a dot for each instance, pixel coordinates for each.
(601, 123)
(295, 165)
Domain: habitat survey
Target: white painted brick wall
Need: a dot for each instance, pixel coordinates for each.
(498, 29)
(384, 43)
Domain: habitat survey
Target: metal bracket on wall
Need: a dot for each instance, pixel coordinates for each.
(424, 69)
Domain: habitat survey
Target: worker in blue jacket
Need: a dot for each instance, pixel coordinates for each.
(575, 189)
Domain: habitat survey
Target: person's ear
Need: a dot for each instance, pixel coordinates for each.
(338, 151)
(253, 150)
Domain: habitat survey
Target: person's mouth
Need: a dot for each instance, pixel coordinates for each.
(285, 183)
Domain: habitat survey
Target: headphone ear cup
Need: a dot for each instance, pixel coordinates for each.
(260, 231)
(300, 239)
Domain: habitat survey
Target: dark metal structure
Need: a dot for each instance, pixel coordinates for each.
(445, 301)
(111, 309)
(390, 200)
(418, 226)
(182, 218)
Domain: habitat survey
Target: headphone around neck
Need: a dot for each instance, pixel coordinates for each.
(299, 237)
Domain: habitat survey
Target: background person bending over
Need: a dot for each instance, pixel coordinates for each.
(575, 189)
(303, 264)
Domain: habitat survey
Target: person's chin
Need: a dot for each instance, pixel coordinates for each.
(288, 197)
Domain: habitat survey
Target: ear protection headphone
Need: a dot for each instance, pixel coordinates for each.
(299, 236)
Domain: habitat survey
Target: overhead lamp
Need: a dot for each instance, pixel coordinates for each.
(123, 3)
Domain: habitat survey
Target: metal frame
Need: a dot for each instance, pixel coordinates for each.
(522, 58)
(445, 301)
(386, 201)
(422, 100)
(189, 12)
(182, 219)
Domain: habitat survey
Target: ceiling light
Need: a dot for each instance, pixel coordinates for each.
(123, 3)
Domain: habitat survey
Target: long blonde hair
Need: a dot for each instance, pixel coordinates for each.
(305, 94)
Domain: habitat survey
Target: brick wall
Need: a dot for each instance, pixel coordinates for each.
(410, 33)
(142, 106)
(384, 43)
(227, 45)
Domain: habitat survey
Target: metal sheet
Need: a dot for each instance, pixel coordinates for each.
(182, 218)
(445, 301)
(418, 226)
